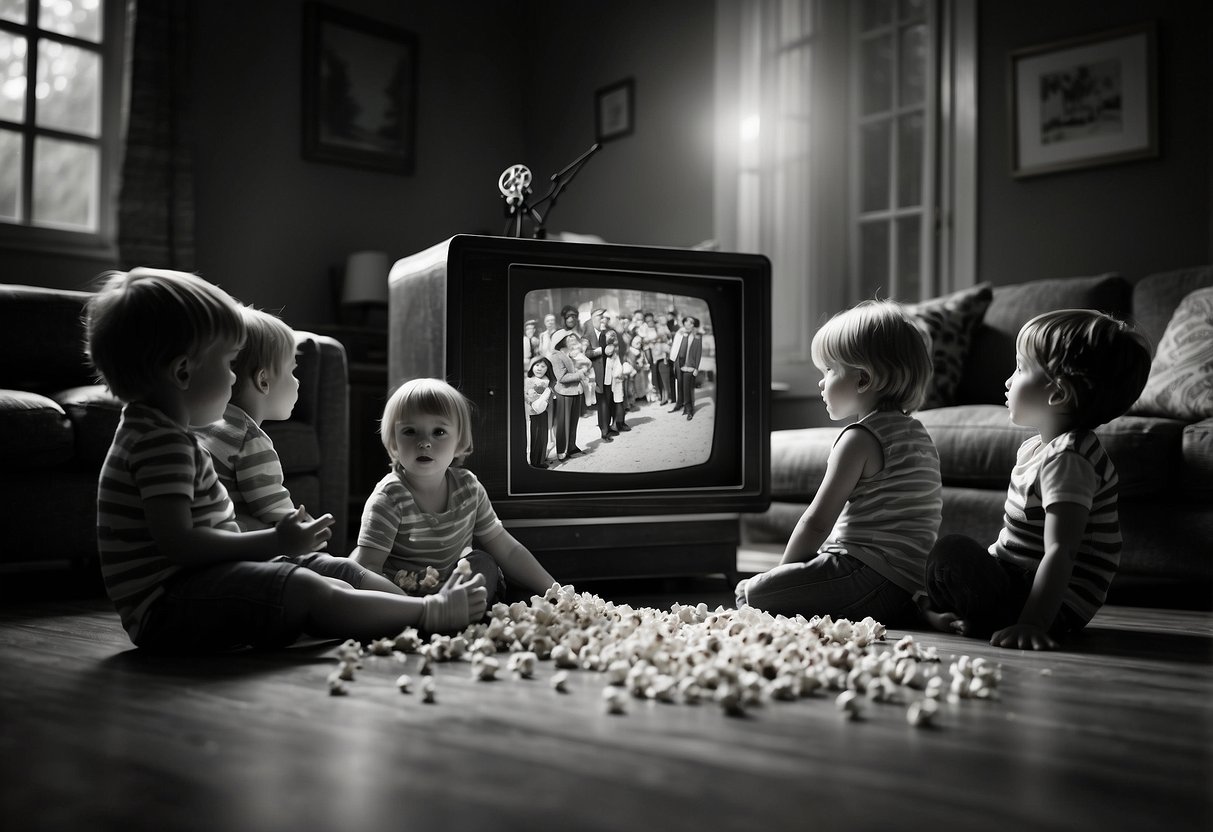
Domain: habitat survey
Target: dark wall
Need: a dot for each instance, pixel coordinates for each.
(1134, 218)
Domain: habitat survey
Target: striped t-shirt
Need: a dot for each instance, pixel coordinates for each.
(413, 539)
(249, 468)
(152, 456)
(1073, 468)
(891, 520)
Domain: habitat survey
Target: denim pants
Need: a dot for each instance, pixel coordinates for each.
(986, 593)
(833, 584)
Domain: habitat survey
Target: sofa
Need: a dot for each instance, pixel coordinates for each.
(56, 425)
(1162, 449)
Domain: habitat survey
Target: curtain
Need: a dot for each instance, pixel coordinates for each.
(156, 195)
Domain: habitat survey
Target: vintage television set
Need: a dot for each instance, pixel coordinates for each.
(661, 499)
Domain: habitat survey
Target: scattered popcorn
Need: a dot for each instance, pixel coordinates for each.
(522, 664)
(408, 641)
(484, 668)
(383, 646)
(848, 702)
(427, 690)
(560, 681)
(613, 700)
(463, 568)
(336, 684)
(921, 713)
(424, 582)
(404, 682)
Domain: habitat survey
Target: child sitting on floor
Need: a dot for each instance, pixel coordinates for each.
(179, 571)
(1048, 572)
(244, 456)
(860, 547)
(425, 514)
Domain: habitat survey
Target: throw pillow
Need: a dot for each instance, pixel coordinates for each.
(949, 320)
(1180, 385)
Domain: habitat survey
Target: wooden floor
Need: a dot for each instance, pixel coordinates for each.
(1115, 732)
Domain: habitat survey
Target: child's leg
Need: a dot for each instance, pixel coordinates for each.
(344, 569)
(830, 584)
(314, 605)
(971, 591)
(483, 563)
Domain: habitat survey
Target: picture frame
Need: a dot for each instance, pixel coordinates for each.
(614, 110)
(1085, 101)
(359, 91)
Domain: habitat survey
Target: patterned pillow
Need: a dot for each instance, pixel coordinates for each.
(1181, 377)
(949, 321)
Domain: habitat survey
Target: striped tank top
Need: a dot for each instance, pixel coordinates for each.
(891, 520)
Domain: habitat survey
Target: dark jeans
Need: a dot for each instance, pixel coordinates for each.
(986, 593)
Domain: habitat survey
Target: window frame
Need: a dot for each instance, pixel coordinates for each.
(23, 234)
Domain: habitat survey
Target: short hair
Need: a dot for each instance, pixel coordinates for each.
(694, 321)
(877, 337)
(427, 397)
(141, 320)
(1099, 360)
(268, 343)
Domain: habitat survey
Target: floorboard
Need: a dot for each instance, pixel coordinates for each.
(1114, 732)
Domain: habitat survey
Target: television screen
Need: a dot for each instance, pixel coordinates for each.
(653, 371)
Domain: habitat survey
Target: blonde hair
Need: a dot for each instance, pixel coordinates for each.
(878, 338)
(427, 397)
(1100, 362)
(140, 321)
(269, 344)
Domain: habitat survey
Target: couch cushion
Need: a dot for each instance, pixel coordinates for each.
(1180, 385)
(991, 356)
(42, 339)
(1198, 458)
(950, 320)
(977, 446)
(1156, 297)
(798, 461)
(297, 447)
(94, 413)
(34, 431)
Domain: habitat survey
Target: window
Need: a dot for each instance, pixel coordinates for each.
(846, 154)
(60, 89)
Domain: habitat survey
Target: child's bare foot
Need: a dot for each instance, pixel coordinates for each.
(945, 622)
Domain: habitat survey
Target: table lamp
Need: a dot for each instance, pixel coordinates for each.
(364, 294)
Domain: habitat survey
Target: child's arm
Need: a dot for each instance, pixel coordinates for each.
(855, 454)
(1064, 525)
(172, 527)
(516, 561)
(370, 557)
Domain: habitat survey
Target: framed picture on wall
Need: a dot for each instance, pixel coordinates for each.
(1085, 101)
(359, 91)
(614, 108)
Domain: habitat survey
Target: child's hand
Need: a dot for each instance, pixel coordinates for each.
(945, 622)
(460, 602)
(300, 533)
(1024, 637)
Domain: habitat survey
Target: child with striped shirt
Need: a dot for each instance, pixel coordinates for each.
(860, 548)
(427, 512)
(244, 456)
(180, 572)
(1048, 572)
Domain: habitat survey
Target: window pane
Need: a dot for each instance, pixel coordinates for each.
(65, 184)
(909, 10)
(875, 13)
(78, 18)
(873, 260)
(69, 88)
(909, 160)
(795, 19)
(12, 77)
(10, 175)
(877, 75)
(874, 173)
(909, 267)
(913, 65)
(13, 10)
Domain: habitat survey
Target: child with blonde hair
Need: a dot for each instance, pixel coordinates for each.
(426, 513)
(179, 571)
(244, 456)
(1048, 572)
(861, 546)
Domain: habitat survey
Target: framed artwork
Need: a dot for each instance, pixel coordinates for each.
(614, 108)
(1085, 101)
(359, 91)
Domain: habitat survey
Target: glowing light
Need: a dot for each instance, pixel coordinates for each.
(749, 128)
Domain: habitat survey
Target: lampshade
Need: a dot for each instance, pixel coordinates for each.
(365, 278)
